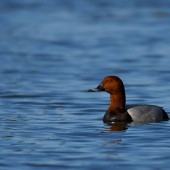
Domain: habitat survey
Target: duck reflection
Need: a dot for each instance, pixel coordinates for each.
(113, 127)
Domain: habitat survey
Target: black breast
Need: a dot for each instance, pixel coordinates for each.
(116, 117)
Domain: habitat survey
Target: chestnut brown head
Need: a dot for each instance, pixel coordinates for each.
(110, 84)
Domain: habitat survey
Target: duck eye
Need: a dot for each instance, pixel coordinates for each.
(110, 80)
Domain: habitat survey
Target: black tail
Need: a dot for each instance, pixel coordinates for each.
(165, 115)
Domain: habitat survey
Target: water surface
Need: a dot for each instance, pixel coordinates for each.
(51, 53)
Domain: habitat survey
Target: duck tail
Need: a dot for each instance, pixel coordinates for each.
(165, 115)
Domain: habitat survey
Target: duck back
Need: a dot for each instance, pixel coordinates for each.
(147, 113)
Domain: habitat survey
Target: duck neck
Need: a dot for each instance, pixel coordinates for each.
(118, 102)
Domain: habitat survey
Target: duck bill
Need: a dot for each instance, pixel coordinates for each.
(98, 88)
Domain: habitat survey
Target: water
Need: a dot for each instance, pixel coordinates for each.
(51, 53)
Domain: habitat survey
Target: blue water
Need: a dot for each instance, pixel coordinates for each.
(51, 53)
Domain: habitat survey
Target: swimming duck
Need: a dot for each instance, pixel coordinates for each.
(117, 111)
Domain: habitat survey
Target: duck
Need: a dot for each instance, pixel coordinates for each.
(119, 112)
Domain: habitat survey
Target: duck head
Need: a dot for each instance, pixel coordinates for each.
(110, 84)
